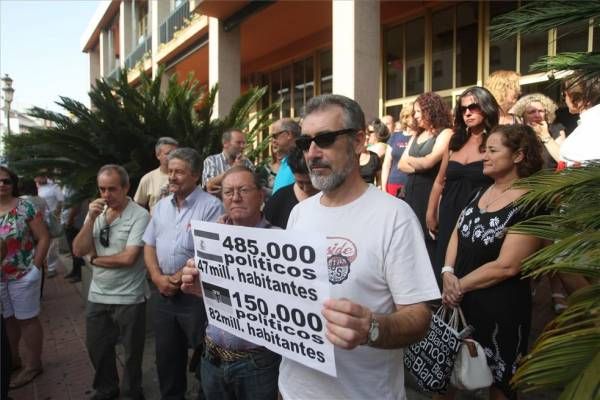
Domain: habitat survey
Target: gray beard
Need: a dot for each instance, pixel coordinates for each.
(328, 183)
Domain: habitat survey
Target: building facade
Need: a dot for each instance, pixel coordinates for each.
(381, 53)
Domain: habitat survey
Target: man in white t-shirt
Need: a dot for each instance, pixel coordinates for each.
(155, 184)
(54, 197)
(379, 271)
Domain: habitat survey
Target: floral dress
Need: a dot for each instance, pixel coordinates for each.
(500, 314)
(14, 230)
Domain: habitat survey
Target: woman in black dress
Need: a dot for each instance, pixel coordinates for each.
(425, 151)
(483, 260)
(461, 170)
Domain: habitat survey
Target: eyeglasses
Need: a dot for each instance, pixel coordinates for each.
(6, 181)
(104, 236)
(321, 139)
(473, 107)
(276, 134)
(229, 193)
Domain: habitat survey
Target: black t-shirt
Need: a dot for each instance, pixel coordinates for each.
(278, 208)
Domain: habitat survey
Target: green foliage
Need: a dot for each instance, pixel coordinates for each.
(567, 354)
(541, 16)
(123, 125)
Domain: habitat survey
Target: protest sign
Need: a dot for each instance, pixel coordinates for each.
(267, 286)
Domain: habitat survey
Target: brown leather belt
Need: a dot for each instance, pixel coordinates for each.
(221, 354)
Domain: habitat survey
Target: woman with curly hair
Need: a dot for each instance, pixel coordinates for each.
(483, 260)
(461, 170)
(506, 89)
(538, 111)
(425, 151)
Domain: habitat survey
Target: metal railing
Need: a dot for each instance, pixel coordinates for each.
(138, 53)
(114, 74)
(174, 22)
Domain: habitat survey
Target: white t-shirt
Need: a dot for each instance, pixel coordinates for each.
(583, 144)
(377, 258)
(52, 194)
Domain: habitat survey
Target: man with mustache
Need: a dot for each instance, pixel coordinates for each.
(379, 271)
(179, 319)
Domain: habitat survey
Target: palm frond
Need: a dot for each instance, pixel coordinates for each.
(541, 16)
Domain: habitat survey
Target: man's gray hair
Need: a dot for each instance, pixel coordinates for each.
(289, 125)
(353, 116)
(165, 140)
(122, 172)
(188, 155)
(227, 134)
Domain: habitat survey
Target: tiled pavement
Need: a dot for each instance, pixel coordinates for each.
(68, 373)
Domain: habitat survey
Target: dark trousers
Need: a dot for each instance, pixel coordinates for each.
(6, 362)
(179, 324)
(78, 262)
(251, 378)
(107, 324)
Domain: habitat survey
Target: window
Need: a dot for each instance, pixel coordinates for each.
(533, 46)
(326, 72)
(466, 44)
(572, 37)
(293, 84)
(502, 52)
(442, 24)
(415, 56)
(394, 65)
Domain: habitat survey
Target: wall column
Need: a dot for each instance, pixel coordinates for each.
(104, 53)
(159, 11)
(126, 31)
(94, 65)
(357, 52)
(224, 65)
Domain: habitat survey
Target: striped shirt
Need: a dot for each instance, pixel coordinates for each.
(170, 231)
(216, 164)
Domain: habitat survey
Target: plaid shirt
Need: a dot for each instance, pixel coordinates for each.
(216, 164)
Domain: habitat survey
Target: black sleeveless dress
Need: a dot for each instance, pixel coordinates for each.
(500, 314)
(418, 187)
(462, 181)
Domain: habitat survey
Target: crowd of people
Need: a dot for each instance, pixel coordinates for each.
(426, 201)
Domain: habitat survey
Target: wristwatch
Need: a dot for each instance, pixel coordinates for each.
(373, 334)
(92, 258)
(546, 139)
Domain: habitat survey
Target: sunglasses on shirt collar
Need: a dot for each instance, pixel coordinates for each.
(321, 139)
(105, 236)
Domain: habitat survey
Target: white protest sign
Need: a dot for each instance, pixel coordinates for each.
(267, 286)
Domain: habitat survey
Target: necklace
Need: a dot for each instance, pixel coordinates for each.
(484, 209)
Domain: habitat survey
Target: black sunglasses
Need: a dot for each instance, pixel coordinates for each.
(104, 236)
(321, 139)
(275, 135)
(6, 181)
(473, 107)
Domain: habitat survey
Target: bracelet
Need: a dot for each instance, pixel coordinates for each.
(447, 268)
(546, 139)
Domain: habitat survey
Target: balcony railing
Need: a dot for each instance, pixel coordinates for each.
(174, 22)
(114, 74)
(138, 53)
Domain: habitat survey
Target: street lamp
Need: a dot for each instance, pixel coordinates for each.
(8, 98)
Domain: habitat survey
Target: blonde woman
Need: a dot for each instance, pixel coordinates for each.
(506, 89)
(538, 111)
(392, 179)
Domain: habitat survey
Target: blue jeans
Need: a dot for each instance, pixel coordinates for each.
(252, 378)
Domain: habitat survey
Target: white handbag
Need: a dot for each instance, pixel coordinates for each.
(471, 371)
